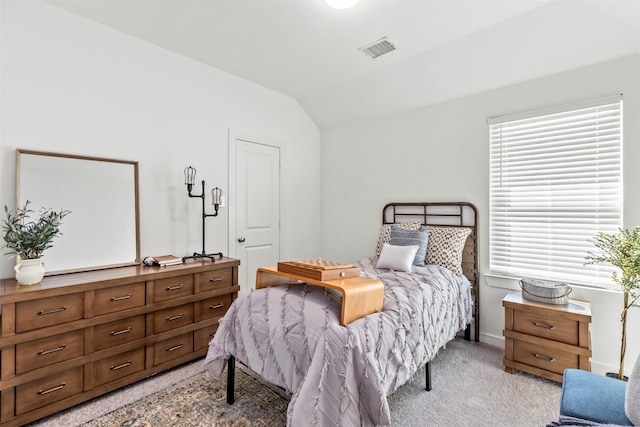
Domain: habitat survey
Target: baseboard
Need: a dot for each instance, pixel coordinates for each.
(494, 340)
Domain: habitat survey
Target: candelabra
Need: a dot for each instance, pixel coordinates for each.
(217, 201)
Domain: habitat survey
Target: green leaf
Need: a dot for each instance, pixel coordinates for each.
(29, 237)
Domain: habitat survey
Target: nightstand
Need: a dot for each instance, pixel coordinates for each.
(545, 339)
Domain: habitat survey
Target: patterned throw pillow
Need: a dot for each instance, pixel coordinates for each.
(446, 245)
(385, 232)
(419, 238)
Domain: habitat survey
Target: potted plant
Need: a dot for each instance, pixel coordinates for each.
(621, 250)
(28, 238)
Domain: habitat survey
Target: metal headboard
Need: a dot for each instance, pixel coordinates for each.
(446, 214)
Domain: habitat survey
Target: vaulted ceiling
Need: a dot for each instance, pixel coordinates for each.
(445, 49)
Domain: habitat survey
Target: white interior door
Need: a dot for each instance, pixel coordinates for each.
(255, 208)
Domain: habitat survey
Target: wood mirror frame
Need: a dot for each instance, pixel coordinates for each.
(103, 228)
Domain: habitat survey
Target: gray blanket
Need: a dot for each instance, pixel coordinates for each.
(341, 375)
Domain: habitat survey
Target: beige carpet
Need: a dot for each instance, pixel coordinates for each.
(470, 388)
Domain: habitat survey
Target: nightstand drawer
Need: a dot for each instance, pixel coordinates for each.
(544, 357)
(118, 366)
(212, 307)
(119, 332)
(50, 389)
(47, 351)
(119, 298)
(51, 311)
(173, 317)
(172, 348)
(554, 328)
(216, 279)
(173, 287)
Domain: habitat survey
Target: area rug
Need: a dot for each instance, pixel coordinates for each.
(470, 388)
(202, 400)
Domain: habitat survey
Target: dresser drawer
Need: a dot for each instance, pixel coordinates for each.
(118, 332)
(173, 317)
(118, 366)
(216, 279)
(544, 357)
(50, 311)
(172, 348)
(47, 351)
(119, 298)
(48, 390)
(172, 287)
(202, 337)
(212, 307)
(554, 328)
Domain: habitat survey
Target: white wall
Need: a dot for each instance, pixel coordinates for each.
(441, 153)
(71, 85)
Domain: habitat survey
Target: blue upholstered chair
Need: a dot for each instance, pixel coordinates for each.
(599, 398)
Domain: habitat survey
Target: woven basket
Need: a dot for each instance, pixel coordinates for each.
(545, 291)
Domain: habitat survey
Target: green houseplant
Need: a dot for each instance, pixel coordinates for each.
(621, 250)
(28, 238)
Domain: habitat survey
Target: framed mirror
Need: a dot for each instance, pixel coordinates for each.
(103, 228)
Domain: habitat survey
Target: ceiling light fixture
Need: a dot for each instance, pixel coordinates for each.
(341, 4)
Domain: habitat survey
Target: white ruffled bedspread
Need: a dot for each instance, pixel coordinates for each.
(340, 375)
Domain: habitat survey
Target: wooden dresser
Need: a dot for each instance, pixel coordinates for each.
(545, 339)
(76, 336)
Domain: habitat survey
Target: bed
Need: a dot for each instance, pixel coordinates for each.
(341, 375)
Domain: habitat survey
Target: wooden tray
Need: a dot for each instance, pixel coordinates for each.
(319, 269)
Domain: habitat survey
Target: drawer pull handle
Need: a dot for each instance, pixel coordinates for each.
(175, 288)
(179, 316)
(216, 279)
(548, 359)
(175, 347)
(214, 307)
(51, 390)
(121, 298)
(44, 313)
(124, 331)
(44, 352)
(124, 365)
(544, 325)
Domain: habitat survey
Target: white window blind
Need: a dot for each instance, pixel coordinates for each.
(556, 180)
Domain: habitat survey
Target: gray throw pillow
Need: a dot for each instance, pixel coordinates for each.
(632, 398)
(404, 237)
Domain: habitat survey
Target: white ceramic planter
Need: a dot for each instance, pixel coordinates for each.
(29, 271)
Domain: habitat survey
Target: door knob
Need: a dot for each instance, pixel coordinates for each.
(241, 239)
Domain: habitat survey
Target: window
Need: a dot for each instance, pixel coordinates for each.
(556, 180)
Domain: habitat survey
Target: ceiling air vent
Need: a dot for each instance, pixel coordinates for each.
(378, 48)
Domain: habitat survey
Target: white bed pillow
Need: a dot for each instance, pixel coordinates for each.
(399, 258)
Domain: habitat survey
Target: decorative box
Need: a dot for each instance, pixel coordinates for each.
(319, 269)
